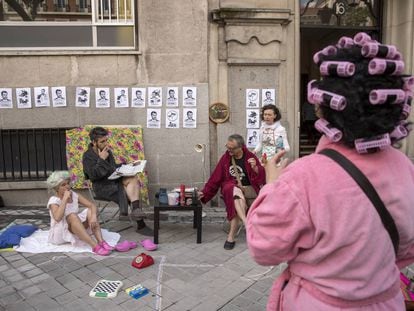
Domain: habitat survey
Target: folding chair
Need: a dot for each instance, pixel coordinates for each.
(100, 203)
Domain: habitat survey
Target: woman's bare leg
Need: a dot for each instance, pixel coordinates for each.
(77, 228)
(96, 228)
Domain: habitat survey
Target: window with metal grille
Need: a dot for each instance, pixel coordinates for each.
(31, 154)
(68, 24)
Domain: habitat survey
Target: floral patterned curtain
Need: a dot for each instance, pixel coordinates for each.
(126, 144)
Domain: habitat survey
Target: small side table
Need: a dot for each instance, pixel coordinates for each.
(197, 221)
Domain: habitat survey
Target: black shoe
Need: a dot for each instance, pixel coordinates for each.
(229, 245)
(147, 231)
(137, 213)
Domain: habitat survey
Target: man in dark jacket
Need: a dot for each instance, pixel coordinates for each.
(240, 176)
(98, 165)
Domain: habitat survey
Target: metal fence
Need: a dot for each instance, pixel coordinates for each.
(31, 154)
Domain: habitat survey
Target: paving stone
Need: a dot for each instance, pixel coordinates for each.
(49, 266)
(65, 298)
(20, 306)
(33, 272)
(38, 299)
(19, 285)
(4, 267)
(40, 278)
(27, 267)
(49, 304)
(19, 263)
(30, 291)
(10, 299)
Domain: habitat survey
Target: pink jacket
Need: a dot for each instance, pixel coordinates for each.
(318, 220)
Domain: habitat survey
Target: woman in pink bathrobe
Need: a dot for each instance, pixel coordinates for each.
(312, 214)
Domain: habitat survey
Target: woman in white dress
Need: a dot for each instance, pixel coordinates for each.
(67, 224)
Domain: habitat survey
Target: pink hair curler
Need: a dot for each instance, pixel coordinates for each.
(345, 42)
(406, 108)
(399, 132)
(379, 66)
(329, 50)
(335, 101)
(398, 56)
(396, 96)
(342, 69)
(408, 83)
(310, 92)
(372, 144)
(331, 132)
(361, 38)
(371, 49)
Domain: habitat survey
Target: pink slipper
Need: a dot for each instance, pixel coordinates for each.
(99, 250)
(148, 245)
(125, 246)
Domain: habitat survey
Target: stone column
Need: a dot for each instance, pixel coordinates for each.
(398, 30)
(255, 49)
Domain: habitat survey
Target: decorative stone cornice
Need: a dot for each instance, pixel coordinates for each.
(251, 15)
(252, 36)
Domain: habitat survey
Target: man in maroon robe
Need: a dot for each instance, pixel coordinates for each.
(240, 176)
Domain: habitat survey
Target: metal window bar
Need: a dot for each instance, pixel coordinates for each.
(113, 11)
(31, 154)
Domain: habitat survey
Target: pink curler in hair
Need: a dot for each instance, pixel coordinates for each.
(406, 108)
(398, 56)
(310, 92)
(331, 132)
(329, 50)
(372, 144)
(342, 69)
(371, 49)
(408, 83)
(399, 132)
(361, 38)
(345, 42)
(334, 101)
(379, 66)
(396, 96)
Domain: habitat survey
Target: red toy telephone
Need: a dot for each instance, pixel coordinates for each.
(142, 260)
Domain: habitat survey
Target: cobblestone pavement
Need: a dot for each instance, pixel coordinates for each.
(185, 276)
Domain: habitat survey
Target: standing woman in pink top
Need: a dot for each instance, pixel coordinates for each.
(313, 215)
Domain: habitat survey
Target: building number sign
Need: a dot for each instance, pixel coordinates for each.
(340, 7)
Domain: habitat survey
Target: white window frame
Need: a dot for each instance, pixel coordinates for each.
(95, 22)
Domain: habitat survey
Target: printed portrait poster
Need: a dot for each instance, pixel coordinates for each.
(252, 138)
(189, 96)
(138, 97)
(41, 95)
(172, 120)
(59, 96)
(252, 98)
(102, 99)
(155, 96)
(172, 97)
(268, 97)
(121, 97)
(82, 96)
(153, 118)
(24, 97)
(252, 118)
(6, 99)
(190, 118)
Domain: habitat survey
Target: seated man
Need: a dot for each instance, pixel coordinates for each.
(240, 175)
(98, 165)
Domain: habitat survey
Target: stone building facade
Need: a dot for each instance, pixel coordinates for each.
(222, 47)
